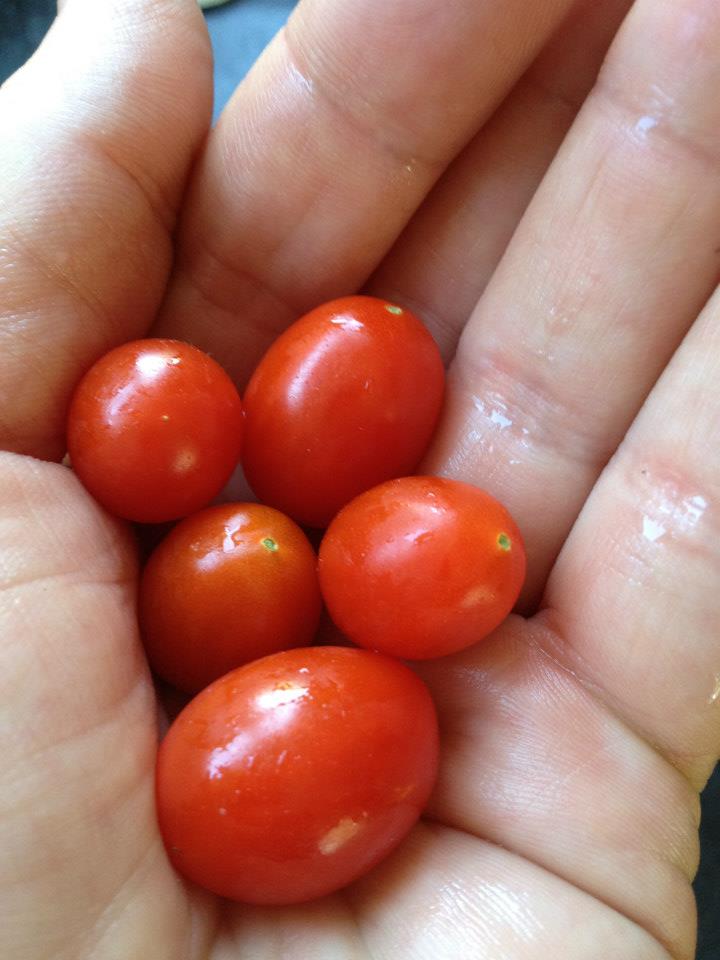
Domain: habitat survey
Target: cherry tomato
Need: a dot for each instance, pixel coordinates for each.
(230, 584)
(154, 430)
(420, 567)
(347, 397)
(294, 775)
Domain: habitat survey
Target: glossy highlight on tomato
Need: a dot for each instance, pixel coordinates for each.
(155, 430)
(347, 397)
(294, 775)
(229, 584)
(421, 567)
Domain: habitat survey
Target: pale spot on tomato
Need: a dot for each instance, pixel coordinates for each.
(503, 541)
(185, 461)
(283, 694)
(477, 595)
(402, 793)
(347, 323)
(339, 835)
(394, 309)
(270, 544)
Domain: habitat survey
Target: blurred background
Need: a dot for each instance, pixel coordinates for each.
(239, 30)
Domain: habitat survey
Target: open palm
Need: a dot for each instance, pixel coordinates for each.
(390, 147)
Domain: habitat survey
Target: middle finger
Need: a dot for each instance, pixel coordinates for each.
(326, 150)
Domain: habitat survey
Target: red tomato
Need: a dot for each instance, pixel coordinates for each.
(421, 567)
(294, 775)
(154, 430)
(347, 397)
(228, 585)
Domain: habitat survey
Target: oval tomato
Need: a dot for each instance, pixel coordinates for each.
(347, 397)
(421, 566)
(292, 776)
(154, 430)
(229, 584)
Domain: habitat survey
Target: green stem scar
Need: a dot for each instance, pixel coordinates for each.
(503, 541)
(391, 308)
(270, 544)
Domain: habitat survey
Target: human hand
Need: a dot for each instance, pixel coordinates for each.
(575, 741)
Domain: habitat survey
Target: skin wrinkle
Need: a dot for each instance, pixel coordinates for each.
(428, 821)
(405, 145)
(152, 194)
(485, 847)
(686, 862)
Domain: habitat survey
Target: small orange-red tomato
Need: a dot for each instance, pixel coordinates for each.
(347, 397)
(294, 775)
(421, 566)
(227, 585)
(154, 430)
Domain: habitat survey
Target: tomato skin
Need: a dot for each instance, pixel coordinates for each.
(347, 397)
(155, 430)
(420, 567)
(229, 584)
(294, 775)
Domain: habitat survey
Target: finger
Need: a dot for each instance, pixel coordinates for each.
(532, 761)
(98, 133)
(645, 557)
(83, 867)
(320, 930)
(446, 256)
(449, 896)
(615, 257)
(326, 150)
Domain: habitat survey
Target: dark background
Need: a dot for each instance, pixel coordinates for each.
(239, 31)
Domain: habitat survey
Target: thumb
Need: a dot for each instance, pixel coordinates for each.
(97, 135)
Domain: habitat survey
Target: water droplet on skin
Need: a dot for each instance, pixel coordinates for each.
(500, 420)
(644, 124)
(652, 530)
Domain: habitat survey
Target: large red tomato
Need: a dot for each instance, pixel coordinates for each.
(229, 584)
(154, 430)
(421, 566)
(294, 775)
(347, 397)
